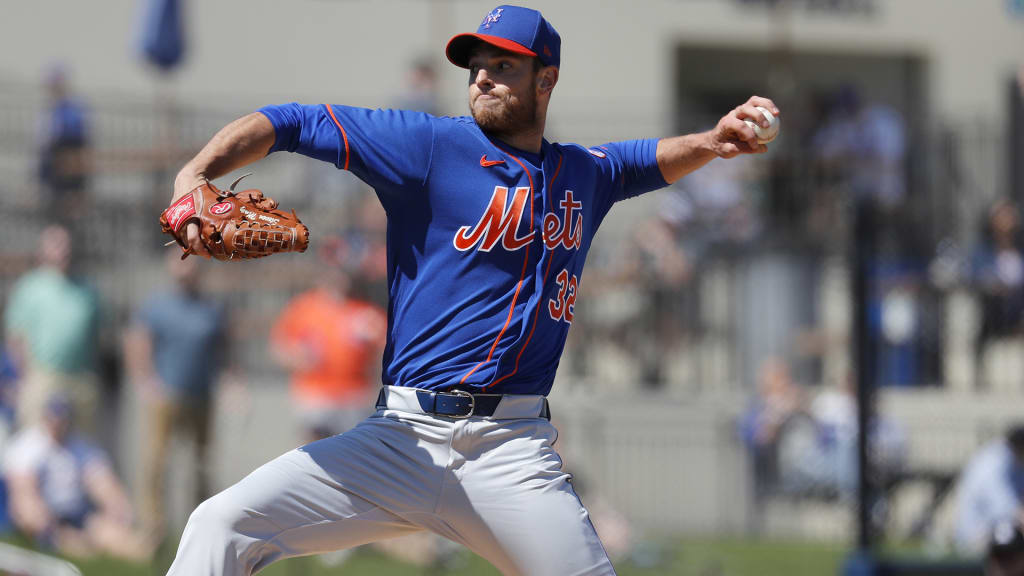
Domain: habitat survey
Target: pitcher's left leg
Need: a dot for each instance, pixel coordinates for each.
(512, 504)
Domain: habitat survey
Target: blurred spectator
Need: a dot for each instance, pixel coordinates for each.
(864, 146)
(991, 488)
(654, 270)
(8, 381)
(331, 343)
(998, 274)
(806, 448)
(64, 494)
(51, 327)
(897, 323)
(715, 205)
(835, 412)
(8, 395)
(420, 91)
(366, 252)
(778, 431)
(859, 151)
(64, 142)
(1015, 134)
(659, 267)
(1005, 554)
(175, 353)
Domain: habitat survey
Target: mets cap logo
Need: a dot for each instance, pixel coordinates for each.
(220, 208)
(492, 18)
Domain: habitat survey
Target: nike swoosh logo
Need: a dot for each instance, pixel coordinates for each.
(485, 162)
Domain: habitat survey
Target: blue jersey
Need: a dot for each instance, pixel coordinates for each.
(486, 243)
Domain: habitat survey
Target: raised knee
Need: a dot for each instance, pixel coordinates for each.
(221, 538)
(229, 516)
(216, 515)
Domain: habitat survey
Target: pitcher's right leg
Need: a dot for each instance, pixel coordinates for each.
(288, 507)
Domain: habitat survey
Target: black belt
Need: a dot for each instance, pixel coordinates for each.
(458, 403)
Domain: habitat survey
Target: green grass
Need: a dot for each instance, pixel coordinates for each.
(667, 557)
(750, 558)
(688, 557)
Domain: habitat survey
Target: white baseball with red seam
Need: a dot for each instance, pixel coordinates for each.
(765, 135)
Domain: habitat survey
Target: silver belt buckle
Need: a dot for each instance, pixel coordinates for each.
(472, 403)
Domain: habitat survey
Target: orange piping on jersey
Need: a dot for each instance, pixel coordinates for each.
(343, 135)
(540, 305)
(522, 277)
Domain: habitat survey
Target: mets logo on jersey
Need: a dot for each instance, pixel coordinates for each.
(492, 18)
(501, 220)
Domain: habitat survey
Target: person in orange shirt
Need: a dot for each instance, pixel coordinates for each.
(331, 343)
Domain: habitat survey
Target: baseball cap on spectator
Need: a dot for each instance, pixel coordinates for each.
(513, 28)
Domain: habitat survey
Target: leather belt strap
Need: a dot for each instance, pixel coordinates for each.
(463, 404)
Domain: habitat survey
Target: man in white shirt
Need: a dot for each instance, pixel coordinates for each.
(991, 488)
(64, 494)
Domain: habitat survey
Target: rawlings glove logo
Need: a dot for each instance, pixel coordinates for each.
(180, 211)
(220, 208)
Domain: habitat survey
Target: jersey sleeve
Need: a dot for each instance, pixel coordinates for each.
(630, 167)
(390, 150)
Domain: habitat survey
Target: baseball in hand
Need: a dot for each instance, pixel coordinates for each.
(765, 135)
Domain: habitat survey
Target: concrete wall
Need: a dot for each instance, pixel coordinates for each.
(617, 57)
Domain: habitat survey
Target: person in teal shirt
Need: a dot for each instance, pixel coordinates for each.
(51, 324)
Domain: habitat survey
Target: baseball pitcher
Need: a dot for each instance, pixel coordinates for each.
(489, 225)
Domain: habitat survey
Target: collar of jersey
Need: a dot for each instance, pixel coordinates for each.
(532, 159)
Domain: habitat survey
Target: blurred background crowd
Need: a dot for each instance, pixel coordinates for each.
(707, 388)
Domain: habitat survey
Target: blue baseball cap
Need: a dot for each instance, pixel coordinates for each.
(513, 28)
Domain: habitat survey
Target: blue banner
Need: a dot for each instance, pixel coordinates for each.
(162, 34)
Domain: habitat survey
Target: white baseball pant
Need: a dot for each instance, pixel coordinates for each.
(493, 484)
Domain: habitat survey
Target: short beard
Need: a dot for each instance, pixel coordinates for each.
(515, 115)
